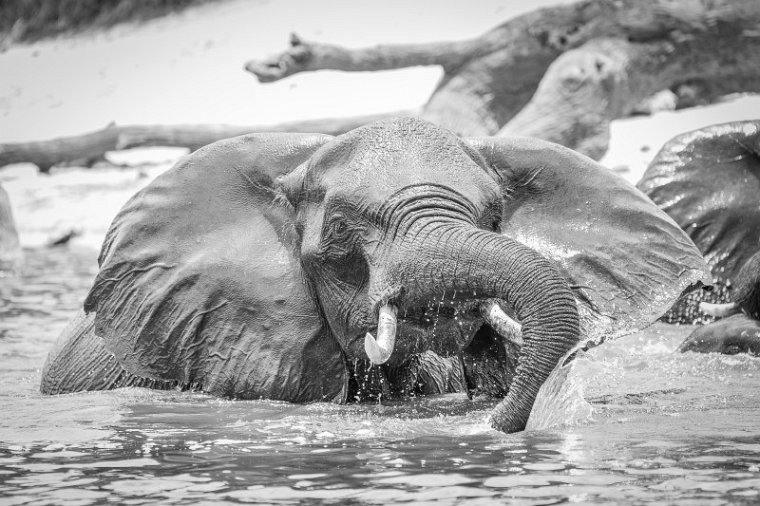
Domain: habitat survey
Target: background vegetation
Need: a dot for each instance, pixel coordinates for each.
(29, 20)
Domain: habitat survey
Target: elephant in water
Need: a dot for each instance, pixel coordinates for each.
(708, 180)
(260, 267)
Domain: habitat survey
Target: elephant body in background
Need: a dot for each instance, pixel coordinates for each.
(10, 250)
(708, 180)
(259, 267)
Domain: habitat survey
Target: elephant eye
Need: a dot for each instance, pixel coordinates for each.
(337, 242)
(338, 227)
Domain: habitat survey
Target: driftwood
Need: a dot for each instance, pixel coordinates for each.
(89, 148)
(561, 73)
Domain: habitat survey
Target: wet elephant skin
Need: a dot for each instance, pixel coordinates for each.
(708, 181)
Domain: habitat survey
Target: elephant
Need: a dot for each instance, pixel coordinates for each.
(11, 255)
(708, 180)
(259, 267)
(731, 335)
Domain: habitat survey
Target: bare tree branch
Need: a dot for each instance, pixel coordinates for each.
(92, 146)
(701, 50)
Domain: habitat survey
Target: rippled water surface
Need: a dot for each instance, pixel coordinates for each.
(655, 426)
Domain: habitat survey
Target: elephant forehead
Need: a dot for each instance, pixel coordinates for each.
(379, 160)
(376, 175)
(383, 182)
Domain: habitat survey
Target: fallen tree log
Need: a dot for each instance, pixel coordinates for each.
(585, 89)
(88, 148)
(563, 73)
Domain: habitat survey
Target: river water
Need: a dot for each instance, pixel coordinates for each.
(632, 421)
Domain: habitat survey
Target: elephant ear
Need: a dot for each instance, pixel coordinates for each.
(199, 282)
(708, 181)
(626, 261)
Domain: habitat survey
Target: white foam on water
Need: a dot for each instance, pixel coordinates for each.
(560, 400)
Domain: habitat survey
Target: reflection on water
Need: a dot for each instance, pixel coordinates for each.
(665, 428)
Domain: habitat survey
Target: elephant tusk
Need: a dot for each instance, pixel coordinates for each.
(505, 326)
(719, 310)
(380, 351)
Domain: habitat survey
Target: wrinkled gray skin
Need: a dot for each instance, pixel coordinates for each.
(10, 250)
(708, 180)
(255, 267)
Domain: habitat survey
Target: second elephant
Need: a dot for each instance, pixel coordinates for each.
(708, 180)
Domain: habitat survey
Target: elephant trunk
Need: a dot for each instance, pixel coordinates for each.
(474, 262)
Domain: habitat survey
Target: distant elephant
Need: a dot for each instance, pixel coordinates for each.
(10, 250)
(258, 266)
(708, 180)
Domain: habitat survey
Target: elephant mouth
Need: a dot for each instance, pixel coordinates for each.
(443, 327)
(427, 317)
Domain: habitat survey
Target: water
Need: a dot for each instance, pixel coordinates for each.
(663, 427)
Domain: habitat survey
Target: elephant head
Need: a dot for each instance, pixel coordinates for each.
(257, 267)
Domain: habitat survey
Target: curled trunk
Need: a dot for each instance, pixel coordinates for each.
(484, 265)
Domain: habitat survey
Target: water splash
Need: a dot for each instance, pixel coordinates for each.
(560, 400)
